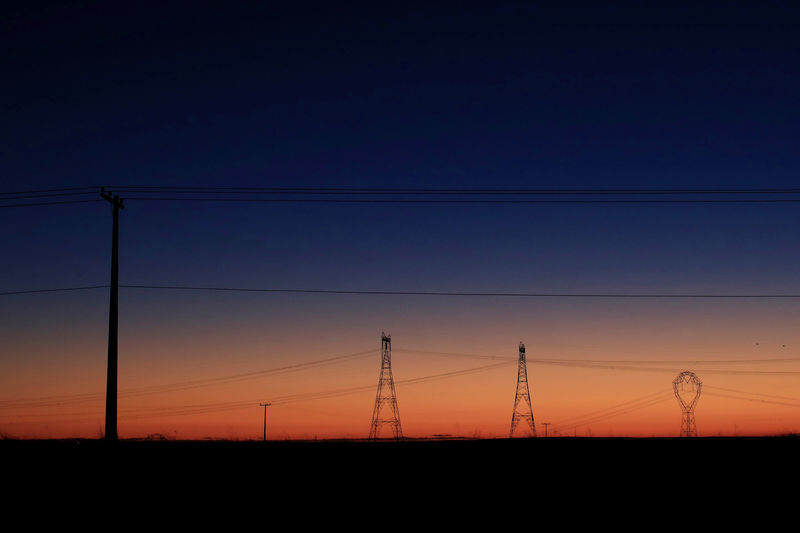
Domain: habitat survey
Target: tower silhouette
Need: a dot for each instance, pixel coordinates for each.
(386, 412)
(522, 400)
(687, 389)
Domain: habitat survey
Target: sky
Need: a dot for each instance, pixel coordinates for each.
(504, 96)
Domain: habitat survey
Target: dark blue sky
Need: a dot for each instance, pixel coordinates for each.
(509, 95)
(499, 96)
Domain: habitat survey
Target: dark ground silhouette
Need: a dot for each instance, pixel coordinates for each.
(553, 458)
(444, 484)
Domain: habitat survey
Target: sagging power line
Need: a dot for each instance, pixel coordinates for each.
(363, 195)
(366, 292)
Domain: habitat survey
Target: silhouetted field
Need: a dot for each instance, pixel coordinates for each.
(571, 482)
(348, 482)
(548, 457)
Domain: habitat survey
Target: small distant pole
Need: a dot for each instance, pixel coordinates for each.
(113, 322)
(265, 405)
(545, 424)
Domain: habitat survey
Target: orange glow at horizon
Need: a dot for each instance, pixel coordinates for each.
(476, 405)
(609, 398)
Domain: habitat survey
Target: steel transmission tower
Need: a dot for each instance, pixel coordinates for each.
(522, 400)
(687, 389)
(386, 412)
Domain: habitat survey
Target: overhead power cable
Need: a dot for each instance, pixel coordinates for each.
(418, 293)
(199, 189)
(449, 190)
(756, 400)
(365, 195)
(461, 201)
(196, 409)
(633, 365)
(533, 358)
(735, 391)
(51, 401)
(35, 204)
(58, 289)
(460, 195)
(64, 190)
(615, 413)
(461, 293)
(612, 410)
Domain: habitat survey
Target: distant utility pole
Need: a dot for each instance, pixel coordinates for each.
(265, 405)
(113, 322)
(545, 424)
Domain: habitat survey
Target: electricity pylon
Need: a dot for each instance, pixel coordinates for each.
(687, 389)
(386, 412)
(522, 400)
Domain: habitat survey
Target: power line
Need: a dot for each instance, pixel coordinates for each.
(416, 190)
(418, 293)
(460, 201)
(87, 190)
(610, 365)
(361, 195)
(45, 195)
(757, 400)
(570, 423)
(625, 404)
(705, 386)
(616, 413)
(459, 293)
(154, 412)
(49, 203)
(50, 401)
(195, 409)
(601, 366)
(58, 289)
(610, 361)
(453, 190)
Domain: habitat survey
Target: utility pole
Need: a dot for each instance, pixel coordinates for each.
(113, 322)
(545, 424)
(265, 405)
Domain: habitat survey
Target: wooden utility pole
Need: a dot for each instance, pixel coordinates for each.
(113, 322)
(265, 405)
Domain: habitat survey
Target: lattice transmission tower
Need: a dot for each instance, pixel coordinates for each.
(687, 389)
(385, 412)
(522, 400)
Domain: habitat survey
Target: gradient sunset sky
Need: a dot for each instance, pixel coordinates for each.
(501, 95)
